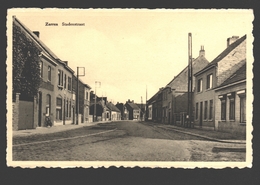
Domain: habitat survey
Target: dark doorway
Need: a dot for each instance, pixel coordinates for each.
(40, 110)
(201, 110)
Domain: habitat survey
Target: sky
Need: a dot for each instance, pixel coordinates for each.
(133, 51)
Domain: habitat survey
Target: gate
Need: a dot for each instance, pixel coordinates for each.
(26, 115)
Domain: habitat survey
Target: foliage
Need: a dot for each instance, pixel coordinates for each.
(26, 67)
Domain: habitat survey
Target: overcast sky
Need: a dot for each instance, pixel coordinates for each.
(129, 50)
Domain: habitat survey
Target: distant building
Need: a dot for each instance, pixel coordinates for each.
(133, 109)
(123, 110)
(115, 113)
(84, 100)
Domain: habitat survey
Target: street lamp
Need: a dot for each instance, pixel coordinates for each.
(77, 98)
(95, 105)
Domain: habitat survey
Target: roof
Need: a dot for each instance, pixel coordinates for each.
(196, 62)
(43, 46)
(237, 76)
(132, 105)
(222, 55)
(141, 105)
(112, 107)
(155, 95)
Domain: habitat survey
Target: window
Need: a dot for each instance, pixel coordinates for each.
(242, 96)
(41, 68)
(210, 109)
(59, 108)
(205, 109)
(49, 73)
(231, 106)
(242, 109)
(197, 110)
(65, 80)
(223, 107)
(69, 83)
(209, 81)
(60, 77)
(86, 95)
(48, 104)
(199, 85)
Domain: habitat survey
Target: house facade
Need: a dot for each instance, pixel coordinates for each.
(211, 77)
(55, 97)
(115, 113)
(175, 95)
(123, 110)
(64, 94)
(133, 109)
(230, 103)
(84, 100)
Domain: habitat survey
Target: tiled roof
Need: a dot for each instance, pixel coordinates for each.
(132, 106)
(223, 54)
(112, 107)
(199, 59)
(239, 75)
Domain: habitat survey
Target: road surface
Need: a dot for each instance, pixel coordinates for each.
(119, 141)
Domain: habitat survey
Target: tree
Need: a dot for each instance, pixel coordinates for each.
(26, 67)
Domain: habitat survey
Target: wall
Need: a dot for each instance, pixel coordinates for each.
(205, 95)
(15, 117)
(233, 126)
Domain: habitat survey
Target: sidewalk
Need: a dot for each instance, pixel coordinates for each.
(205, 134)
(58, 128)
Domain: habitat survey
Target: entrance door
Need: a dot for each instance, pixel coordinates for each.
(201, 109)
(40, 110)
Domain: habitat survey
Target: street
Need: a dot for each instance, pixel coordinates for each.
(120, 141)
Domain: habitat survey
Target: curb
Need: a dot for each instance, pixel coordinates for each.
(204, 137)
(228, 149)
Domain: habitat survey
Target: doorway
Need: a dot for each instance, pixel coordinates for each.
(40, 110)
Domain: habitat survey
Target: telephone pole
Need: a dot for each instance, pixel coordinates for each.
(190, 74)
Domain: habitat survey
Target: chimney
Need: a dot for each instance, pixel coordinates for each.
(232, 40)
(37, 33)
(132, 101)
(202, 52)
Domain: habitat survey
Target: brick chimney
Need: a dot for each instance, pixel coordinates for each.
(202, 52)
(37, 33)
(231, 40)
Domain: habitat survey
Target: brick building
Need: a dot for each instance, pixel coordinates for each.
(55, 96)
(133, 109)
(212, 76)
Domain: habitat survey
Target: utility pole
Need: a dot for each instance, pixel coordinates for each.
(190, 74)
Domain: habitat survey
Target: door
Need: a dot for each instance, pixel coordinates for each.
(40, 110)
(201, 110)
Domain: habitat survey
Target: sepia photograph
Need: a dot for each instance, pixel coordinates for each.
(129, 87)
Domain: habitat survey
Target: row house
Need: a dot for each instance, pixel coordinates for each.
(84, 100)
(133, 109)
(123, 110)
(154, 107)
(102, 111)
(114, 112)
(55, 97)
(219, 97)
(142, 110)
(169, 105)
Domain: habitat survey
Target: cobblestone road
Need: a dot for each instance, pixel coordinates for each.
(119, 141)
